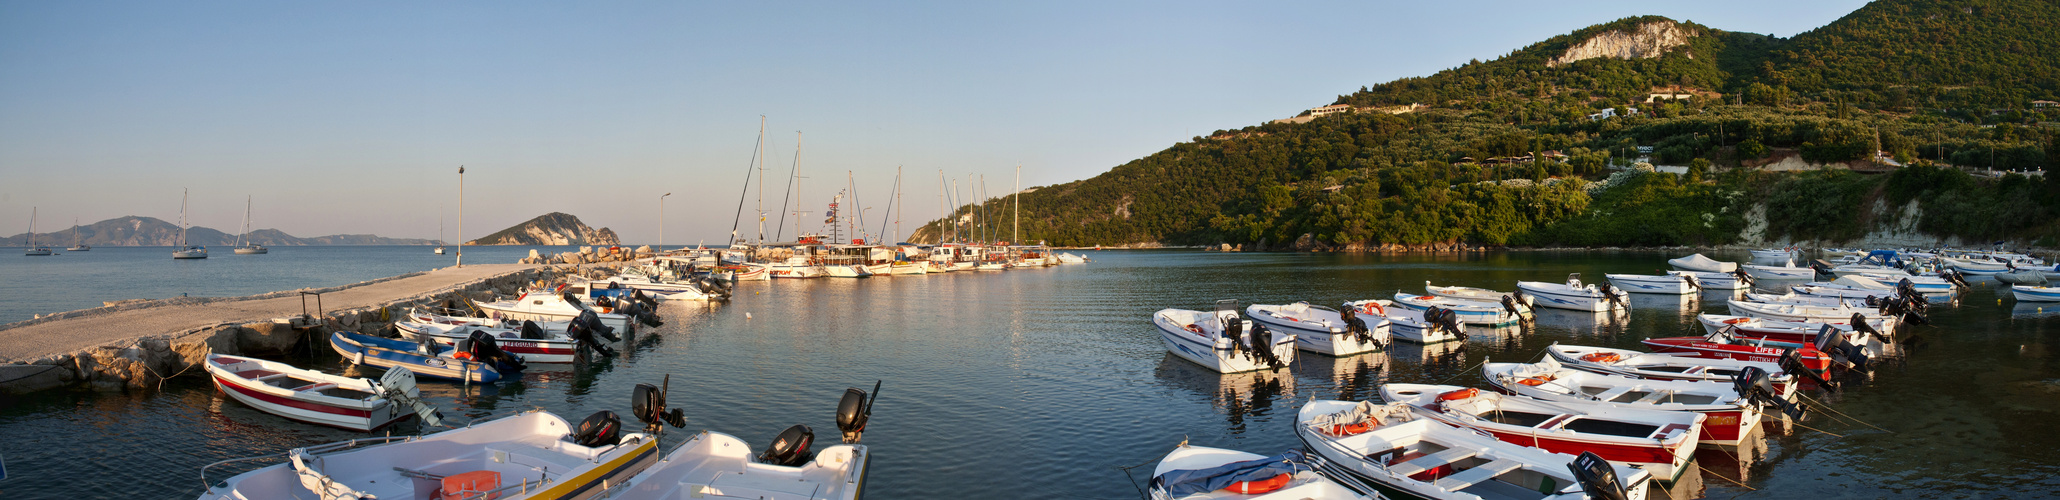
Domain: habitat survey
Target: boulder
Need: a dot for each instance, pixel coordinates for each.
(646, 249)
(24, 379)
(586, 250)
(193, 348)
(266, 338)
(533, 255)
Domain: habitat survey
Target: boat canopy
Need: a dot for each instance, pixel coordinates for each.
(1178, 483)
(1883, 257)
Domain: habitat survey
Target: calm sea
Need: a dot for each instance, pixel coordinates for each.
(1047, 383)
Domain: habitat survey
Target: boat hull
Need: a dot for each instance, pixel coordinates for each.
(1318, 337)
(2035, 294)
(1780, 273)
(1562, 299)
(1214, 355)
(355, 414)
(1671, 285)
(360, 349)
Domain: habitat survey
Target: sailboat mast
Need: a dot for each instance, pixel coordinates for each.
(986, 233)
(940, 206)
(246, 222)
(791, 194)
(32, 226)
(897, 205)
(761, 179)
(187, 193)
(1016, 226)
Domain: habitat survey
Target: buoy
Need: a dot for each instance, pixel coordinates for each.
(747, 315)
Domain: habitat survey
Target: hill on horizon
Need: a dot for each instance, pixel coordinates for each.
(134, 230)
(555, 228)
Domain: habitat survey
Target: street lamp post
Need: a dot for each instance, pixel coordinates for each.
(661, 222)
(461, 216)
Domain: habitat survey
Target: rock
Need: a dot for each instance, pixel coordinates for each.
(586, 250)
(193, 348)
(112, 369)
(646, 249)
(23, 379)
(113, 303)
(266, 338)
(533, 255)
(1305, 243)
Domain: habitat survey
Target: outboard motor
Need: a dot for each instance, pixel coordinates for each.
(530, 331)
(602, 428)
(485, 350)
(605, 303)
(1597, 478)
(1820, 266)
(1793, 362)
(398, 385)
(1859, 323)
(854, 410)
(647, 403)
(1515, 308)
(639, 296)
(1438, 318)
(640, 312)
(1609, 293)
(1831, 341)
(1754, 387)
(1354, 326)
(586, 331)
(790, 448)
(1692, 283)
(1262, 346)
(1743, 277)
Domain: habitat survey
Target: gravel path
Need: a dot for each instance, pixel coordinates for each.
(123, 324)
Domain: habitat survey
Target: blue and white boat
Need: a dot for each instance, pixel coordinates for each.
(1222, 340)
(1472, 312)
(2035, 293)
(1574, 295)
(1324, 330)
(1410, 325)
(427, 359)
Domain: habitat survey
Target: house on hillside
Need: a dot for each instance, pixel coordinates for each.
(2044, 104)
(1667, 97)
(1331, 109)
(1605, 113)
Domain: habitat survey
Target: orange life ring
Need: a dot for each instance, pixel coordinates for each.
(1350, 429)
(1191, 328)
(1374, 308)
(1734, 321)
(1261, 486)
(1602, 357)
(1425, 297)
(1459, 394)
(462, 355)
(1536, 381)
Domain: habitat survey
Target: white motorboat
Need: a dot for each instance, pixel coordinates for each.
(1661, 442)
(697, 289)
(1791, 312)
(532, 455)
(1787, 271)
(1220, 339)
(1070, 258)
(186, 251)
(1866, 270)
(1699, 263)
(1733, 280)
(1475, 294)
(1977, 267)
(1731, 417)
(543, 306)
(1470, 312)
(1203, 473)
(315, 397)
(428, 358)
(1429, 326)
(1655, 366)
(243, 245)
(1403, 456)
(2035, 293)
(533, 345)
(2021, 277)
(1573, 295)
(33, 249)
(718, 465)
(1671, 284)
(1324, 330)
(1868, 334)
(1776, 254)
(1802, 299)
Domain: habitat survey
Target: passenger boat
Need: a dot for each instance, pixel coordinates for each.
(1671, 284)
(1782, 272)
(427, 359)
(1573, 295)
(1734, 280)
(2035, 293)
(1661, 442)
(534, 345)
(717, 465)
(1470, 312)
(533, 455)
(1220, 340)
(314, 397)
(1429, 326)
(541, 306)
(1732, 417)
(1203, 473)
(1400, 455)
(1324, 330)
(1699, 263)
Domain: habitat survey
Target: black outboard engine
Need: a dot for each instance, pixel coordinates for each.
(854, 410)
(1609, 293)
(647, 403)
(1791, 361)
(530, 331)
(1859, 323)
(1439, 318)
(1354, 326)
(1262, 346)
(1515, 308)
(602, 428)
(1743, 277)
(640, 312)
(641, 298)
(1831, 341)
(1692, 283)
(1597, 477)
(790, 448)
(604, 302)
(1754, 387)
(586, 332)
(485, 350)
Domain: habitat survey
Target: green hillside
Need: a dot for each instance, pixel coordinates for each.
(1421, 160)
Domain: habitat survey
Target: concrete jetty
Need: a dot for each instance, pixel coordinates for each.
(136, 344)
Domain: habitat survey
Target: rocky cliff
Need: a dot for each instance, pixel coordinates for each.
(150, 231)
(1648, 41)
(555, 228)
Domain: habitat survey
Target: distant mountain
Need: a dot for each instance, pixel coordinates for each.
(554, 228)
(148, 231)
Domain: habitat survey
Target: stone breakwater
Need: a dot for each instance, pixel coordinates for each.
(135, 345)
(589, 255)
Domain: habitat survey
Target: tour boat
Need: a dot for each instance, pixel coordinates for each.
(534, 455)
(1573, 295)
(1734, 280)
(1660, 366)
(1222, 341)
(1672, 284)
(1203, 473)
(428, 359)
(1661, 442)
(1470, 312)
(533, 345)
(1429, 326)
(1400, 455)
(542, 306)
(1782, 272)
(1324, 330)
(1475, 294)
(311, 396)
(1699, 263)
(2035, 293)
(1732, 417)
(717, 465)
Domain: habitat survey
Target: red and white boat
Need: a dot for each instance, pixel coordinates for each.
(1731, 417)
(1658, 366)
(535, 347)
(1661, 442)
(310, 396)
(1802, 332)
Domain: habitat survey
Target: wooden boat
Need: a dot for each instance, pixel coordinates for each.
(1661, 442)
(1699, 263)
(1671, 284)
(533, 455)
(2035, 293)
(717, 465)
(1203, 473)
(1573, 295)
(427, 359)
(1732, 417)
(1324, 330)
(311, 396)
(1221, 341)
(1399, 455)
(1470, 312)
(1429, 326)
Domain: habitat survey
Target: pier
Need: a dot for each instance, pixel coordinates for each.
(136, 344)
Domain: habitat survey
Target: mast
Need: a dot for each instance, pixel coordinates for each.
(76, 240)
(1016, 226)
(940, 206)
(857, 222)
(32, 227)
(986, 233)
(761, 179)
(735, 221)
(897, 204)
(791, 193)
(182, 216)
(956, 227)
(246, 222)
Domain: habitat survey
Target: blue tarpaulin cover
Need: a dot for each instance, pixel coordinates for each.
(1188, 482)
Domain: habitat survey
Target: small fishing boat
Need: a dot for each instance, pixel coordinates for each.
(428, 359)
(529, 341)
(1699, 263)
(1661, 442)
(1732, 417)
(1470, 312)
(1203, 473)
(1475, 294)
(1788, 271)
(1810, 360)
(1573, 295)
(1221, 340)
(2035, 293)
(1803, 332)
(1671, 284)
(1657, 366)
(700, 288)
(1071, 258)
(315, 397)
(2021, 277)
(1776, 254)
(717, 465)
(1324, 330)
(1429, 326)
(543, 306)
(1801, 299)
(1976, 267)
(1891, 314)
(1400, 455)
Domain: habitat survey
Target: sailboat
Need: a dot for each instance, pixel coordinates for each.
(439, 235)
(244, 247)
(78, 243)
(34, 250)
(186, 251)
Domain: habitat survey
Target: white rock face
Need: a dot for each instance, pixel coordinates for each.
(1649, 41)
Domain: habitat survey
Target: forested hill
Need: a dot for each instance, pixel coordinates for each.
(1534, 148)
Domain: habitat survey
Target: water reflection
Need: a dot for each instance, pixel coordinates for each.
(1237, 395)
(1353, 378)
(1579, 323)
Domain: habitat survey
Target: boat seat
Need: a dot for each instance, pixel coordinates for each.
(1653, 398)
(314, 387)
(1612, 393)
(1479, 473)
(256, 374)
(1432, 461)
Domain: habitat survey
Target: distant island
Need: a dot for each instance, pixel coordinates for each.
(135, 231)
(555, 228)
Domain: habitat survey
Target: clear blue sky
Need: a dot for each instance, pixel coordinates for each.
(352, 117)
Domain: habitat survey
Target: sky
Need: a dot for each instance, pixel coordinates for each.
(353, 117)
